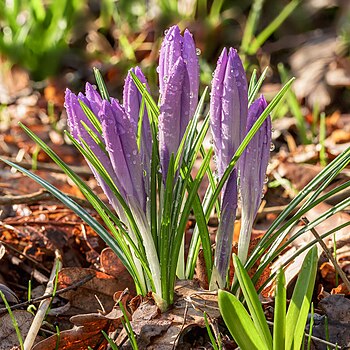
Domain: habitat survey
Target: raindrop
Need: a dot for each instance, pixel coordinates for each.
(198, 51)
(266, 180)
(213, 74)
(272, 147)
(134, 152)
(166, 31)
(165, 79)
(157, 69)
(191, 94)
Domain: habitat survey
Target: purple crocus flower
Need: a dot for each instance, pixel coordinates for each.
(132, 99)
(121, 146)
(75, 118)
(228, 107)
(178, 86)
(122, 161)
(253, 165)
(228, 118)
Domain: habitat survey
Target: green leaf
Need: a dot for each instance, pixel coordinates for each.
(279, 322)
(272, 27)
(102, 209)
(253, 90)
(101, 85)
(165, 259)
(80, 211)
(300, 303)
(239, 322)
(279, 226)
(252, 299)
(91, 116)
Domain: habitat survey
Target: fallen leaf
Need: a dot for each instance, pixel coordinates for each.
(8, 336)
(101, 286)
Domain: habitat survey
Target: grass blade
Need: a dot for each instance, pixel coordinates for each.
(300, 303)
(279, 322)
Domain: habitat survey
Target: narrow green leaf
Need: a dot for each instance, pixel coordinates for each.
(279, 225)
(80, 211)
(255, 89)
(272, 27)
(252, 299)
(279, 322)
(101, 85)
(300, 303)
(166, 259)
(91, 116)
(239, 322)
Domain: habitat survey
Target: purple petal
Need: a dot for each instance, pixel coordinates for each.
(132, 102)
(122, 149)
(75, 117)
(255, 158)
(190, 57)
(170, 51)
(253, 165)
(216, 103)
(170, 115)
(94, 98)
(224, 235)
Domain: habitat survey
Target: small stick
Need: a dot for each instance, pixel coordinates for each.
(329, 255)
(43, 297)
(44, 304)
(322, 341)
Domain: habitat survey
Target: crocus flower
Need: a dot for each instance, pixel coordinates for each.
(228, 118)
(228, 107)
(253, 165)
(179, 83)
(122, 161)
(132, 99)
(120, 158)
(75, 118)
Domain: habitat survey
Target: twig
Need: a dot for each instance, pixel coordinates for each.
(329, 255)
(44, 304)
(43, 297)
(41, 195)
(36, 262)
(335, 346)
(182, 326)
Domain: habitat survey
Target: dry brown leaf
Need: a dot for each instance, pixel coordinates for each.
(86, 332)
(112, 265)
(160, 331)
(8, 336)
(102, 286)
(337, 309)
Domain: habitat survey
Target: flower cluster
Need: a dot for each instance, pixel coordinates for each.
(124, 146)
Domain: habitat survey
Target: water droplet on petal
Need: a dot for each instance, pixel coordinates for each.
(272, 147)
(198, 51)
(266, 180)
